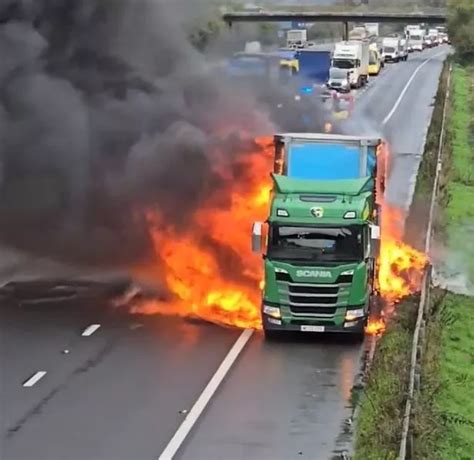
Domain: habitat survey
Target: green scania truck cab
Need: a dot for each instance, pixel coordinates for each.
(320, 241)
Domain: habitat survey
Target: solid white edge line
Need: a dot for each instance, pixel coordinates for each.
(405, 89)
(201, 403)
(34, 379)
(88, 331)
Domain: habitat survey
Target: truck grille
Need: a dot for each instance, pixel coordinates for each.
(303, 300)
(301, 289)
(310, 299)
(319, 311)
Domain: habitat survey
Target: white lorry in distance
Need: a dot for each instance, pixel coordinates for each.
(359, 33)
(353, 57)
(442, 35)
(411, 27)
(416, 38)
(372, 28)
(391, 49)
(433, 35)
(296, 38)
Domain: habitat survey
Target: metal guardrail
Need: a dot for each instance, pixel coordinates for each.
(416, 350)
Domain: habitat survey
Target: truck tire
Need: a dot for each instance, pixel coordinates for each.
(270, 335)
(358, 337)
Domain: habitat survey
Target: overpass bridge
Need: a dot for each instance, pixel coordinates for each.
(344, 17)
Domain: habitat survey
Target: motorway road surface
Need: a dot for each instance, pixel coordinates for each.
(122, 392)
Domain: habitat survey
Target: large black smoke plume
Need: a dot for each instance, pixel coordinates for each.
(106, 110)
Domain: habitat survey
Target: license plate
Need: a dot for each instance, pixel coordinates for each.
(312, 328)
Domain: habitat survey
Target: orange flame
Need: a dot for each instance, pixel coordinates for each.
(400, 265)
(210, 268)
(375, 327)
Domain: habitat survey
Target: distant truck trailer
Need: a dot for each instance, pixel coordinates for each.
(314, 66)
(296, 38)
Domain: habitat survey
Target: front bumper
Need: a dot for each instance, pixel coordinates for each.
(339, 87)
(271, 324)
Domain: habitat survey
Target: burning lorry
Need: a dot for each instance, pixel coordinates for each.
(321, 239)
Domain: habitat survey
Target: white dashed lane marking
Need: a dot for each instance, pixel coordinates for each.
(90, 330)
(34, 379)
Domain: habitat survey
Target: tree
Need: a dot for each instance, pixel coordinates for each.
(461, 27)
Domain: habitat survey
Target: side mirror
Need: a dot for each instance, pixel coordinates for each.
(374, 232)
(374, 246)
(257, 237)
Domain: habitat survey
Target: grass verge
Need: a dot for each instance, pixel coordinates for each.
(379, 424)
(443, 425)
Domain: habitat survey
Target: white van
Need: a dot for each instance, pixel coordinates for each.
(391, 47)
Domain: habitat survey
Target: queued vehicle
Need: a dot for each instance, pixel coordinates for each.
(403, 49)
(416, 39)
(428, 42)
(376, 62)
(339, 80)
(391, 49)
(433, 34)
(353, 58)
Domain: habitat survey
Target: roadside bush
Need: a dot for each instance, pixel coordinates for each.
(461, 27)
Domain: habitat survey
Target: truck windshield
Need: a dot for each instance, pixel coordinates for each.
(337, 74)
(389, 49)
(316, 243)
(415, 37)
(344, 63)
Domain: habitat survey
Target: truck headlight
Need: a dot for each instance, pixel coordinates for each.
(352, 315)
(274, 312)
(345, 83)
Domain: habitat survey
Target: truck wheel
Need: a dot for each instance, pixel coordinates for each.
(271, 335)
(358, 337)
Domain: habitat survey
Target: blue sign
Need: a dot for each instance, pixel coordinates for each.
(285, 25)
(298, 25)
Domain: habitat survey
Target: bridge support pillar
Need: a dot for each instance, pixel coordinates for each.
(345, 31)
